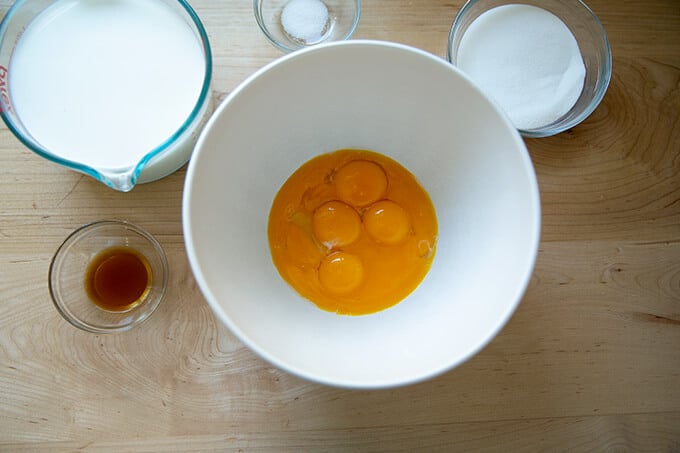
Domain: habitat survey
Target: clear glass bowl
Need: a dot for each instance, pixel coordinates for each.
(592, 41)
(164, 159)
(343, 18)
(69, 266)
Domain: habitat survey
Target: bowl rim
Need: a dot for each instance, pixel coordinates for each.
(370, 384)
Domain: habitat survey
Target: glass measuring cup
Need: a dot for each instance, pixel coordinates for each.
(138, 108)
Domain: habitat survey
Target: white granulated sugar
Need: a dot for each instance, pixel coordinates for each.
(305, 20)
(526, 59)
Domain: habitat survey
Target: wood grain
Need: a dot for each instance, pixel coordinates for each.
(607, 433)
(589, 362)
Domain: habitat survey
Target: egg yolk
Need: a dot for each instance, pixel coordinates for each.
(300, 248)
(352, 231)
(387, 222)
(360, 182)
(336, 224)
(341, 273)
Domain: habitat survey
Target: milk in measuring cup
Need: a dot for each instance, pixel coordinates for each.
(104, 82)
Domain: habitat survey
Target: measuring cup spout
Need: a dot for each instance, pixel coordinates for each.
(121, 179)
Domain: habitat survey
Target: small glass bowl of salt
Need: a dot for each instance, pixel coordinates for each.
(547, 63)
(293, 24)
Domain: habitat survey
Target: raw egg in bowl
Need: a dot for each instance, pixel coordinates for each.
(368, 124)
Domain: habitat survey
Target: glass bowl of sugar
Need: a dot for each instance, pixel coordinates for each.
(547, 63)
(294, 24)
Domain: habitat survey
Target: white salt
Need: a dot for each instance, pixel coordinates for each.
(526, 59)
(305, 20)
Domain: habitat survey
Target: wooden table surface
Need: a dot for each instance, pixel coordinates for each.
(590, 360)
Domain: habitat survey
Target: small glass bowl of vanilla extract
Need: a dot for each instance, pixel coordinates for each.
(108, 276)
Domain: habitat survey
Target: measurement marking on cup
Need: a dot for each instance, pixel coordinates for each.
(4, 95)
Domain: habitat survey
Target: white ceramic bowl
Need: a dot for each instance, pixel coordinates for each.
(406, 104)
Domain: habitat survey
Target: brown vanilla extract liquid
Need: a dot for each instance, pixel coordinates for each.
(118, 278)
